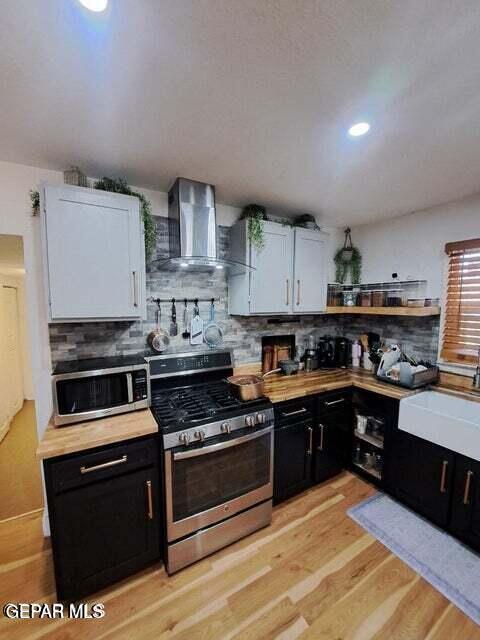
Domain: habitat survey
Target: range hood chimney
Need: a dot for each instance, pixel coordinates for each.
(192, 227)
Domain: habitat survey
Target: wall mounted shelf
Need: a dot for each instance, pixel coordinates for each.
(387, 311)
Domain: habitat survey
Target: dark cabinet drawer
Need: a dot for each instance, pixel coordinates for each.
(295, 410)
(337, 401)
(82, 469)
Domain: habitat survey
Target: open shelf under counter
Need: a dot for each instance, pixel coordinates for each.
(387, 311)
(366, 437)
(373, 472)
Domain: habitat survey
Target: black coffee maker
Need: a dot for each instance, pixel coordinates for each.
(326, 352)
(343, 352)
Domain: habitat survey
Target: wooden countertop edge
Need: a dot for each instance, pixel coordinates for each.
(60, 441)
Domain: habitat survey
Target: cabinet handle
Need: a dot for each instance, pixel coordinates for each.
(310, 444)
(330, 404)
(320, 448)
(104, 465)
(444, 476)
(149, 500)
(298, 292)
(294, 413)
(287, 301)
(135, 289)
(466, 493)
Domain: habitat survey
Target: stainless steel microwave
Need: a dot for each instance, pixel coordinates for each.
(100, 387)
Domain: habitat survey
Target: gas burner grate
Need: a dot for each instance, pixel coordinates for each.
(193, 403)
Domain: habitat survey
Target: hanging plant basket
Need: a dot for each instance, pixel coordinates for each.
(348, 259)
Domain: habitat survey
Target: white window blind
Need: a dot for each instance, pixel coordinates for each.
(461, 331)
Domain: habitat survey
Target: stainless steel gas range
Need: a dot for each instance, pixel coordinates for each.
(217, 455)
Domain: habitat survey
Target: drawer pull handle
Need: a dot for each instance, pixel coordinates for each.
(294, 413)
(104, 465)
(466, 493)
(320, 448)
(444, 476)
(330, 404)
(310, 443)
(149, 500)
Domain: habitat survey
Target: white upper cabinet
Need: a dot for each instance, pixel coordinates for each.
(271, 282)
(309, 271)
(289, 275)
(94, 254)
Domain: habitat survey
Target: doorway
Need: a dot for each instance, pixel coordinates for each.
(20, 477)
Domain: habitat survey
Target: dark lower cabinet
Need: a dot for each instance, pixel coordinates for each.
(293, 449)
(104, 515)
(420, 474)
(465, 515)
(332, 436)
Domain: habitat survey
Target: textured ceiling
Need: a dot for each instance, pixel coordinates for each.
(254, 96)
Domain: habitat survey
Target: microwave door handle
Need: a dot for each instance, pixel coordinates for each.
(129, 388)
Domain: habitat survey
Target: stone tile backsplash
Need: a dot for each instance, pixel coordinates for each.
(71, 341)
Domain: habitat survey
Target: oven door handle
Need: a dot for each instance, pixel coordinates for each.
(193, 453)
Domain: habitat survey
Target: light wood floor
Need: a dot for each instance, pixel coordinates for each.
(20, 479)
(313, 573)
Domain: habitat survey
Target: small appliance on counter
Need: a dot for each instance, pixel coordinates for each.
(99, 387)
(309, 357)
(326, 352)
(342, 352)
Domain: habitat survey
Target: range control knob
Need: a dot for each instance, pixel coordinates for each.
(200, 435)
(250, 421)
(225, 427)
(261, 418)
(184, 438)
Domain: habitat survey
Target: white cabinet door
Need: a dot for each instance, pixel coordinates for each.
(310, 280)
(271, 283)
(94, 254)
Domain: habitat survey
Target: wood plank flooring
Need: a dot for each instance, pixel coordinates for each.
(314, 573)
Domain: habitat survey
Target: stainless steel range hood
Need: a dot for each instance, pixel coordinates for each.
(193, 229)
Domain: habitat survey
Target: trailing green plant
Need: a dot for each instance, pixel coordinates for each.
(348, 258)
(120, 185)
(354, 265)
(35, 200)
(256, 215)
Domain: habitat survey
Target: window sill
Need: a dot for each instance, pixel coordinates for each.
(466, 370)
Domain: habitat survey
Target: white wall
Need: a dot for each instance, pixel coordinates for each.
(413, 245)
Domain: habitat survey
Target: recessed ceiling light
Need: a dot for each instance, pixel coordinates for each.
(359, 129)
(94, 5)
(219, 266)
(184, 264)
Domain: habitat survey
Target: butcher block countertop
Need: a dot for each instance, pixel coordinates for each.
(279, 387)
(58, 441)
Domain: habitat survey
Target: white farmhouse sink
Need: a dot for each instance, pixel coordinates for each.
(446, 420)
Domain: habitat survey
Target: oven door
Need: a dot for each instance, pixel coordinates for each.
(210, 483)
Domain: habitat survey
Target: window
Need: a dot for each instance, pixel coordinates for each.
(461, 325)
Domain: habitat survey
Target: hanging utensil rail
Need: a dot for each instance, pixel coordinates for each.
(172, 300)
